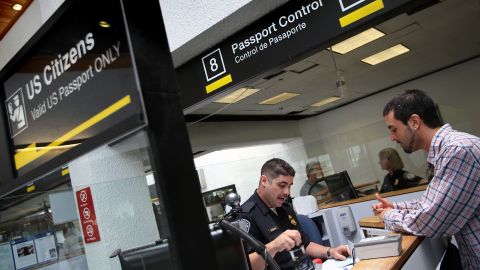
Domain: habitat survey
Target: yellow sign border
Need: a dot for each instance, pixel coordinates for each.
(361, 13)
(23, 158)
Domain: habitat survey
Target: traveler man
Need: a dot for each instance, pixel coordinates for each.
(451, 203)
(273, 222)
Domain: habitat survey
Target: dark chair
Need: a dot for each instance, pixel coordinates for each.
(310, 228)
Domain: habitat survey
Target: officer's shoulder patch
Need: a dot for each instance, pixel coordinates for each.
(243, 224)
(248, 206)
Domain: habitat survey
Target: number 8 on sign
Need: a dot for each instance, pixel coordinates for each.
(213, 65)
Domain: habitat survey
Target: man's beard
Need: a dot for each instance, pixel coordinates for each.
(409, 149)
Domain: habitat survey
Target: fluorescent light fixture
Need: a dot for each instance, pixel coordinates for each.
(104, 24)
(150, 179)
(17, 7)
(237, 95)
(386, 54)
(278, 98)
(358, 40)
(325, 101)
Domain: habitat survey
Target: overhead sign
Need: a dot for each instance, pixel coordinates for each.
(88, 218)
(297, 28)
(74, 83)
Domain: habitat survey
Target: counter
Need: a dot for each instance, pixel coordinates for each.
(409, 244)
(371, 197)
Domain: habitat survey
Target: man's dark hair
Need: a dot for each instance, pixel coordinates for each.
(414, 102)
(275, 167)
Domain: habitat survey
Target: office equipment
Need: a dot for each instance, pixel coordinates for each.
(214, 201)
(378, 247)
(340, 187)
(346, 220)
(305, 204)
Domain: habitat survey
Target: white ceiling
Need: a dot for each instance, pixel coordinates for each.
(439, 36)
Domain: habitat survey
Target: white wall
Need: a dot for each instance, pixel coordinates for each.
(241, 166)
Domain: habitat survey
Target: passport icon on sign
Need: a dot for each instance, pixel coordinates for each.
(16, 113)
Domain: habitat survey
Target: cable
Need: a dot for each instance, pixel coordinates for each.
(258, 246)
(221, 109)
(335, 63)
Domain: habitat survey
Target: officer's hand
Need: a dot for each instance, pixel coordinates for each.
(285, 241)
(340, 252)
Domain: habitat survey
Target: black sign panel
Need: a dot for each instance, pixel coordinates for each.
(72, 81)
(296, 29)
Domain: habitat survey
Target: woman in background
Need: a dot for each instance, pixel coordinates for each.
(397, 178)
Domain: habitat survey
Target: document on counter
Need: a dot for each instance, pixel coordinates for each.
(332, 264)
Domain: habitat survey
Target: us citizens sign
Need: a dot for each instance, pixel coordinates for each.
(72, 82)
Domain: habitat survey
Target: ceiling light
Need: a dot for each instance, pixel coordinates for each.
(358, 40)
(386, 54)
(237, 95)
(17, 7)
(325, 101)
(278, 98)
(104, 24)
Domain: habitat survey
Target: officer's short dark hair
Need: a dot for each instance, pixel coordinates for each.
(275, 167)
(414, 102)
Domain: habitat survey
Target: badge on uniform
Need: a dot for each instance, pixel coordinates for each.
(292, 220)
(271, 230)
(243, 224)
(396, 182)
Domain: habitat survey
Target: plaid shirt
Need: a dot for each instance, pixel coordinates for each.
(451, 203)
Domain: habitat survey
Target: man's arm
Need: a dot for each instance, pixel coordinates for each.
(448, 203)
(285, 241)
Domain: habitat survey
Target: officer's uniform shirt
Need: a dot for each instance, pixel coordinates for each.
(400, 179)
(263, 224)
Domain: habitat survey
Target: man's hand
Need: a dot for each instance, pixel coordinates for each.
(340, 252)
(380, 208)
(285, 241)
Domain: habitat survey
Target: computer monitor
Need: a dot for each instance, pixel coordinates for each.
(340, 187)
(215, 201)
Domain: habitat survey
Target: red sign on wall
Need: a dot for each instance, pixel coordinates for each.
(87, 216)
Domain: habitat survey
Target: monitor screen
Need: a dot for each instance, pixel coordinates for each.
(215, 201)
(340, 187)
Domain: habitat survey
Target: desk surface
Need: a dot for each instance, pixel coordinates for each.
(370, 197)
(371, 222)
(409, 244)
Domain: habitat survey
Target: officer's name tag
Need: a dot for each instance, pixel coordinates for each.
(271, 230)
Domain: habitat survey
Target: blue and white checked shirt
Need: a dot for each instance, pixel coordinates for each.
(451, 203)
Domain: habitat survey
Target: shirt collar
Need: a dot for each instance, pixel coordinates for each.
(437, 141)
(263, 207)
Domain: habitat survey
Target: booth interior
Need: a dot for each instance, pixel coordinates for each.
(299, 113)
(324, 108)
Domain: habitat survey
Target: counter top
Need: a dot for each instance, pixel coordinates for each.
(371, 197)
(409, 244)
(371, 222)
